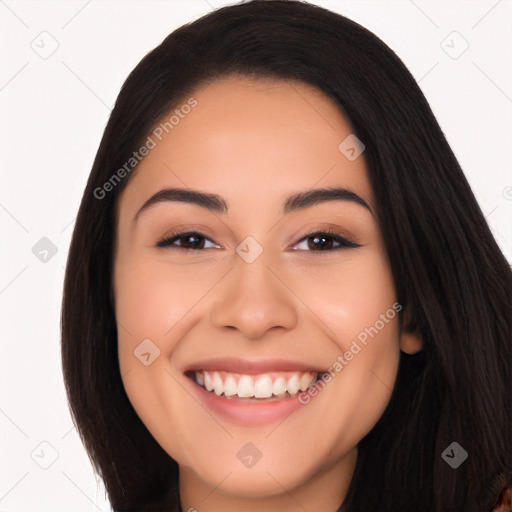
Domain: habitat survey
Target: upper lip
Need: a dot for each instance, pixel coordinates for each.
(252, 366)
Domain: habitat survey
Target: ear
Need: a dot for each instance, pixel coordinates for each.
(410, 339)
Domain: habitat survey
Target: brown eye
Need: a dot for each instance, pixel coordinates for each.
(327, 241)
(190, 240)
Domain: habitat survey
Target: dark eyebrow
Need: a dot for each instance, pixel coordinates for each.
(211, 202)
(311, 197)
(217, 204)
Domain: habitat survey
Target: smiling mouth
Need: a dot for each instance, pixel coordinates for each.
(254, 387)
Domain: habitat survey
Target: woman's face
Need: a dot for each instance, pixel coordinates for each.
(256, 301)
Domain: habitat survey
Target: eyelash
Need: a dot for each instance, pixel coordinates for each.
(345, 243)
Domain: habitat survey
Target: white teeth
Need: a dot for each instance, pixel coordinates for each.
(230, 386)
(208, 381)
(218, 385)
(293, 385)
(245, 387)
(279, 387)
(257, 386)
(263, 387)
(305, 381)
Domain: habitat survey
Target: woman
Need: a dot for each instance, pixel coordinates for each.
(212, 361)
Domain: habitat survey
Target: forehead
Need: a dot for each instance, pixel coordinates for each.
(249, 140)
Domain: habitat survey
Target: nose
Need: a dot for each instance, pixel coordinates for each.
(254, 298)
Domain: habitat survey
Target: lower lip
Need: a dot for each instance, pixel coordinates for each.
(247, 413)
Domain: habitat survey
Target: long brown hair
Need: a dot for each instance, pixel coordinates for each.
(448, 270)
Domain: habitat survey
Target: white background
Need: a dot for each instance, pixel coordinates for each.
(54, 111)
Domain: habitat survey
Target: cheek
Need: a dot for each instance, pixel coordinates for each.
(350, 296)
(358, 312)
(150, 300)
(147, 307)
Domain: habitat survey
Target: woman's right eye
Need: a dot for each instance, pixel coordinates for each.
(189, 240)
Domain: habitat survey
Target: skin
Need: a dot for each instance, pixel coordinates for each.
(255, 142)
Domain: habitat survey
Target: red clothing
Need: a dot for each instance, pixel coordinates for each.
(504, 503)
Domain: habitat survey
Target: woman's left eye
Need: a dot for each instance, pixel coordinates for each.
(324, 240)
(318, 241)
